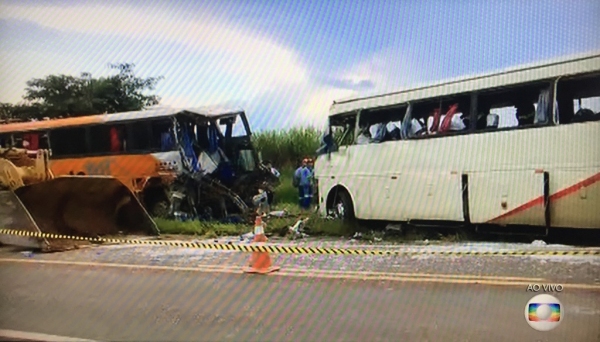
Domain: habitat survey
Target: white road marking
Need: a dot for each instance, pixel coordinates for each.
(24, 335)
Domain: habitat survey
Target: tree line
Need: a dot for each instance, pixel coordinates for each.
(57, 96)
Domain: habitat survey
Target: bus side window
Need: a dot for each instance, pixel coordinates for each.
(107, 139)
(513, 107)
(579, 99)
(99, 139)
(44, 142)
(138, 134)
(162, 138)
(68, 141)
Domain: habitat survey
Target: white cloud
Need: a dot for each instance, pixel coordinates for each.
(253, 63)
(311, 101)
(218, 61)
(315, 108)
(387, 70)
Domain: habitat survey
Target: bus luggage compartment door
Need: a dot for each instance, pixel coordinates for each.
(509, 197)
(427, 196)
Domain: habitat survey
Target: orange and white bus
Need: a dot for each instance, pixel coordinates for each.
(517, 147)
(152, 151)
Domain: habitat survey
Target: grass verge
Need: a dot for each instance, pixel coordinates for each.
(316, 226)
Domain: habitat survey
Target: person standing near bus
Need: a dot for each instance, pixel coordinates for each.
(302, 180)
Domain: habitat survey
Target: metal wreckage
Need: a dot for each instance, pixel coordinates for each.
(221, 177)
(197, 165)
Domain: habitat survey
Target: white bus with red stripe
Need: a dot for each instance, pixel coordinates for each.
(489, 168)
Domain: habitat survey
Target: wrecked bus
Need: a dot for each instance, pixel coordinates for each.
(198, 163)
(513, 150)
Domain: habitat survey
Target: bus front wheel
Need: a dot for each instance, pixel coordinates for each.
(342, 206)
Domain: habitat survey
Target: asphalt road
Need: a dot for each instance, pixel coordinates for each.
(108, 303)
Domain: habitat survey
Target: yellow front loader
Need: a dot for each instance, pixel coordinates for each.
(32, 199)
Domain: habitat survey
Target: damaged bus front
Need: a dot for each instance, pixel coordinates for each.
(220, 172)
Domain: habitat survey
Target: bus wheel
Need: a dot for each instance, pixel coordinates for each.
(160, 209)
(342, 207)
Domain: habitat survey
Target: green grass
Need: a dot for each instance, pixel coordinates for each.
(274, 226)
(286, 194)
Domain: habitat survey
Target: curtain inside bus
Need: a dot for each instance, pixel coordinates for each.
(166, 142)
(33, 139)
(543, 107)
(406, 130)
(188, 149)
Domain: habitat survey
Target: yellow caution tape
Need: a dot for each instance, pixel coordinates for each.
(280, 249)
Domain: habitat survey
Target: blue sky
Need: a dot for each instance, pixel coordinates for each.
(285, 62)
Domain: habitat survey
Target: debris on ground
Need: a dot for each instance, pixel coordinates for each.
(248, 237)
(279, 213)
(261, 202)
(28, 254)
(298, 229)
(394, 226)
(371, 237)
(538, 243)
(356, 236)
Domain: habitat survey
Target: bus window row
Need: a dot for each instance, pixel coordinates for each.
(95, 140)
(531, 105)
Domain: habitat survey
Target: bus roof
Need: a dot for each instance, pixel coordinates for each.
(583, 63)
(160, 112)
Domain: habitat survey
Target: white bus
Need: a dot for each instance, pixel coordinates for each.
(517, 147)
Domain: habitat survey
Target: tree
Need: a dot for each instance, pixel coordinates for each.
(67, 96)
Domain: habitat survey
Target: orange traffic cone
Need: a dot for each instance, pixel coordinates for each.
(260, 262)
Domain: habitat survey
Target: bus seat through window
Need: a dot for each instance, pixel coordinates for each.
(525, 113)
(493, 120)
(446, 123)
(379, 133)
(364, 136)
(584, 114)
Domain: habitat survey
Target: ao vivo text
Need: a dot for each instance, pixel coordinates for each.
(545, 288)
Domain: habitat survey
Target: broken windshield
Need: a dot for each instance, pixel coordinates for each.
(232, 127)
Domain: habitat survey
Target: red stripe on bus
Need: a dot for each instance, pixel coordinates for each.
(558, 195)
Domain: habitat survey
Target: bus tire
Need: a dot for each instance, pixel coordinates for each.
(160, 209)
(342, 206)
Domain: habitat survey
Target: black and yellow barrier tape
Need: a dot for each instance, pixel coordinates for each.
(280, 249)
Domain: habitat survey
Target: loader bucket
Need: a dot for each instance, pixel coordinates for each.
(88, 206)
